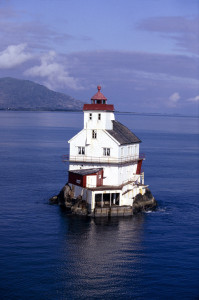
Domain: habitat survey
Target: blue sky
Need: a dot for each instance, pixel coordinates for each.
(144, 53)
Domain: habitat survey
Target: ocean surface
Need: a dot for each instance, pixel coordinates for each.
(46, 253)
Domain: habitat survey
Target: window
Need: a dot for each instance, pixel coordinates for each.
(106, 151)
(94, 134)
(81, 150)
(90, 116)
(99, 116)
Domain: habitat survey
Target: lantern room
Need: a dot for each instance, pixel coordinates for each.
(98, 102)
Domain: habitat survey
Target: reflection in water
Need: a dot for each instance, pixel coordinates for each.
(102, 252)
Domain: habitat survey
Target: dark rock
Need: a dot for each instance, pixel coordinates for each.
(53, 200)
(80, 207)
(144, 202)
(64, 196)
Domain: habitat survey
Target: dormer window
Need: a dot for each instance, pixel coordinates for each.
(94, 134)
(99, 116)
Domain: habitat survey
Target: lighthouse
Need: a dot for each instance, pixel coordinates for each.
(105, 161)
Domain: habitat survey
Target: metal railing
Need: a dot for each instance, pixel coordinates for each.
(102, 159)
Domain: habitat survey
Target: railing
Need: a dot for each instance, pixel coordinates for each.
(132, 180)
(102, 159)
(125, 182)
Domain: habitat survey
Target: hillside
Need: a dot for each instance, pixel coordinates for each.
(17, 94)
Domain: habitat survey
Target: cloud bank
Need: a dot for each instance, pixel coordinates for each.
(55, 74)
(184, 31)
(13, 56)
(156, 82)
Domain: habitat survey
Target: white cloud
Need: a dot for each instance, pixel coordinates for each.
(13, 55)
(195, 99)
(173, 99)
(54, 73)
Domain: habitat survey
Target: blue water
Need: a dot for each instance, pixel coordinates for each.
(46, 253)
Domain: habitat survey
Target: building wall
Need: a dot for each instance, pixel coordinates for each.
(127, 172)
(93, 146)
(113, 175)
(110, 173)
(129, 150)
(105, 121)
(76, 179)
(83, 180)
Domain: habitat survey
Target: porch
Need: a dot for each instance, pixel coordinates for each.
(105, 200)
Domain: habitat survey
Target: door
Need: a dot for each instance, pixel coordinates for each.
(91, 181)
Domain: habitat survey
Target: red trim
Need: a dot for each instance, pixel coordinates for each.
(139, 166)
(100, 178)
(108, 107)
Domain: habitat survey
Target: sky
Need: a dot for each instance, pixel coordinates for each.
(144, 53)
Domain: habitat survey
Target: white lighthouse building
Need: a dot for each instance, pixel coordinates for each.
(104, 160)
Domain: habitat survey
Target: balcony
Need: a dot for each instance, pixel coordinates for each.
(103, 159)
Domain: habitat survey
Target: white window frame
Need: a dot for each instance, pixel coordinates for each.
(81, 150)
(99, 117)
(90, 116)
(106, 151)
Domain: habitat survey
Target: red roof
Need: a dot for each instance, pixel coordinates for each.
(107, 107)
(99, 95)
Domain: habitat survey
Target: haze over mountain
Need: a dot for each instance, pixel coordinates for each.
(17, 94)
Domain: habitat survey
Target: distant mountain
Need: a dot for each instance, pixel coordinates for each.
(17, 94)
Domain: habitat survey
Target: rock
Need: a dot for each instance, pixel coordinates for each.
(64, 196)
(78, 206)
(53, 200)
(144, 202)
